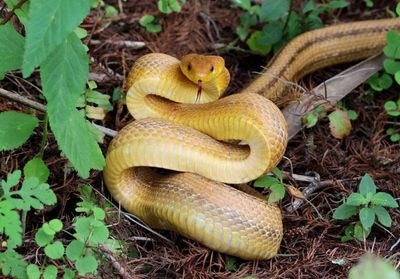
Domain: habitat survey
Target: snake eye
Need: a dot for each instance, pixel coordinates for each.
(189, 67)
(212, 69)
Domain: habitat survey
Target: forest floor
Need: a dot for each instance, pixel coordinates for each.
(311, 245)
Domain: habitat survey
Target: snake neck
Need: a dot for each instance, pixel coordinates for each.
(317, 49)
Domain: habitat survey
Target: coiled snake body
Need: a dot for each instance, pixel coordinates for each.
(174, 134)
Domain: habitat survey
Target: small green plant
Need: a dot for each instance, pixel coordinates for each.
(371, 267)
(268, 26)
(150, 22)
(369, 205)
(339, 119)
(274, 184)
(382, 81)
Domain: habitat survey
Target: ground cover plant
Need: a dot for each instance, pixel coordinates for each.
(72, 57)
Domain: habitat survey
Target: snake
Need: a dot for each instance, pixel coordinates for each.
(182, 125)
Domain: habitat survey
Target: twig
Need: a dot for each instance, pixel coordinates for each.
(395, 245)
(12, 12)
(109, 255)
(121, 43)
(33, 104)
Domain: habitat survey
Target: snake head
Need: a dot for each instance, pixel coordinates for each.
(201, 68)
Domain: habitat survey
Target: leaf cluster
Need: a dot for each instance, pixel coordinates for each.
(52, 44)
(274, 184)
(369, 205)
(268, 26)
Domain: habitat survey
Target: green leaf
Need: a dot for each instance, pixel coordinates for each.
(64, 76)
(56, 225)
(82, 228)
(42, 238)
(111, 11)
(10, 223)
(244, 4)
(75, 249)
(54, 250)
(336, 4)
(153, 28)
(33, 194)
(22, 12)
(398, 9)
(68, 273)
(311, 119)
(359, 232)
(371, 267)
(99, 213)
(270, 34)
(339, 124)
(278, 173)
(86, 264)
(380, 82)
(254, 44)
(13, 264)
(100, 232)
(16, 128)
(266, 181)
(367, 217)
(352, 114)
(384, 199)
(367, 185)
(50, 272)
(231, 264)
(146, 19)
(273, 10)
(344, 212)
(392, 108)
(33, 271)
(355, 199)
(277, 193)
(383, 216)
(392, 49)
(37, 168)
(50, 23)
(11, 49)
(391, 66)
(397, 77)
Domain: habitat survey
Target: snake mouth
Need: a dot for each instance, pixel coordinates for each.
(199, 89)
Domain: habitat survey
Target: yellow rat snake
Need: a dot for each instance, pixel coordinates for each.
(171, 132)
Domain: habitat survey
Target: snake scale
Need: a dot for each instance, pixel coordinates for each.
(171, 132)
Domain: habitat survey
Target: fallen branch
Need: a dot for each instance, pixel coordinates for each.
(122, 43)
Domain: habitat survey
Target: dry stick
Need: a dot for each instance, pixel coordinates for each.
(121, 43)
(109, 255)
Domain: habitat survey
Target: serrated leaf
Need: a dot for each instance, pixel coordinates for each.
(37, 168)
(10, 223)
(82, 228)
(64, 76)
(367, 217)
(42, 238)
(50, 23)
(48, 230)
(12, 180)
(11, 49)
(34, 194)
(273, 10)
(12, 264)
(54, 250)
(86, 264)
(277, 193)
(367, 185)
(16, 128)
(75, 249)
(383, 216)
(384, 199)
(356, 199)
(344, 212)
(339, 124)
(50, 272)
(33, 271)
